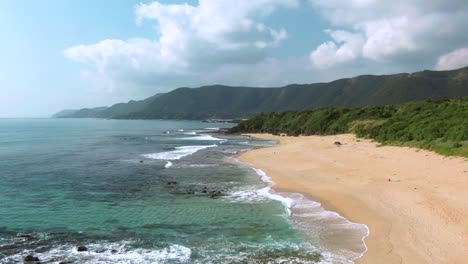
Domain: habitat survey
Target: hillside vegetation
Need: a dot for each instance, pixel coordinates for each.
(441, 125)
(220, 101)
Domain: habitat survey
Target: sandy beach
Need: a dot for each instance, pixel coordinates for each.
(415, 202)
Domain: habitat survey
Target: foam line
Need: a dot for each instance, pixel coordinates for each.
(202, 137)
(318, 211)
(168, 165)
(178, 153)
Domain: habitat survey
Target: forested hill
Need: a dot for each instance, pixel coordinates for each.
(239, 102)
(440, 125)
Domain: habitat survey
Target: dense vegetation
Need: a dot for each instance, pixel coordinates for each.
(440, 125)
(240, 102)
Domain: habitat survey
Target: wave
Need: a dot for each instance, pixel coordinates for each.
(312, 218)
(264, 193)
(201, 165)
(212, 128)
(263, 176)
(168, 165)
(110, 253)
(178, 153)
(191, 133)
(202, 137)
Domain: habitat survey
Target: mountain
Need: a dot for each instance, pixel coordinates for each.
(86, 112)
(64, 113)
(121, 109)
(218, 101)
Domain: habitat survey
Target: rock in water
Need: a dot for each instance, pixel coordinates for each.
(31, 258)
(82, 248)
(215, 194)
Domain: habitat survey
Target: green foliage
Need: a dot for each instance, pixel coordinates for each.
(441, 125)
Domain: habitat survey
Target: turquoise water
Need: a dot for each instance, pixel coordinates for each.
(138, 192)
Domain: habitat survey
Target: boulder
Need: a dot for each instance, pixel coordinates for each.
(82, 248)
(215, 194)
(24, 236)
(31, 258)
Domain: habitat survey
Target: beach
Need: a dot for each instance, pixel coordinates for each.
(414, 202)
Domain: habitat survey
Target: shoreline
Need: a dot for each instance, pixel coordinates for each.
(413, 201)
(318, 217)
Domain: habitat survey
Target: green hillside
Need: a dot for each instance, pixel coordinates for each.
(220, 101)
(440, 125)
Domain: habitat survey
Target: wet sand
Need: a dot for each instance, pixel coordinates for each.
(415, 202)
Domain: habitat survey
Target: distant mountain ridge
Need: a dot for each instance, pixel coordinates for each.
(219, 101)
(64, 113)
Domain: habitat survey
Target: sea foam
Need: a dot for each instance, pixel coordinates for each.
(168, 165)
(264, 193)
(111, 253)
(178, 153)
(310, 216)
(202, 137)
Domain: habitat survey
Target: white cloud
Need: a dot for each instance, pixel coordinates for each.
(387, 37)
(453, 60)
(190, 39)
(396, 30)
(346, 46)
(231, 42)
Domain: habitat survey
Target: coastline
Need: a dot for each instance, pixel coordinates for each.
(413, 201)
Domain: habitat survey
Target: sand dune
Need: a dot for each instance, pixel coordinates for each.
(414, 202)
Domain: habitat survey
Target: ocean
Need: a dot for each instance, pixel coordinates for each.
(134, 191)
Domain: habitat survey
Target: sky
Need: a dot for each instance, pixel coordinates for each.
(57, 54)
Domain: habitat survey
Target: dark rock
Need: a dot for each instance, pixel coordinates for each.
(215, 194)
(31, 258)
(42, 249)
(172, 183)
(24, 236)
(337, 143)
(113, 251)
(82, 248)
(141, 161)
(65, 262)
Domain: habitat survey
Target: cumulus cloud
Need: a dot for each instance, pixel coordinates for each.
(232, 42)
(453, 60)
(394, 30)
(190, 39)
(346, 46)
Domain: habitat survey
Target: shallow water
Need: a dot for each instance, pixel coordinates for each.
(145, 192)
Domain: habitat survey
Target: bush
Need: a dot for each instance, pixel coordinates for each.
(427, 124)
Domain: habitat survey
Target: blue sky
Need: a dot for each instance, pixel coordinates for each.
(71, 54)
